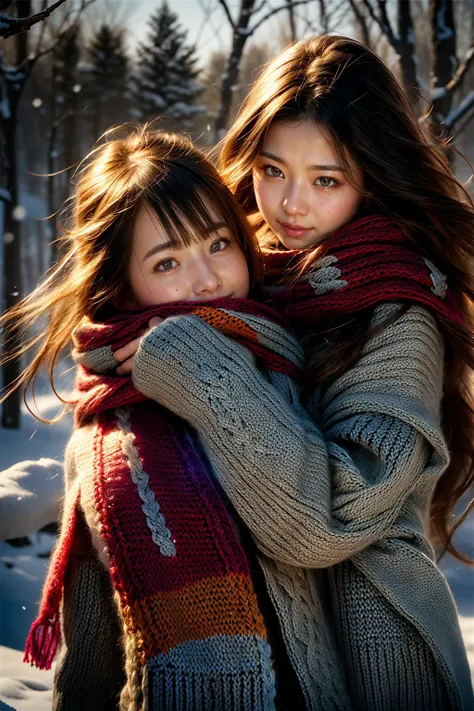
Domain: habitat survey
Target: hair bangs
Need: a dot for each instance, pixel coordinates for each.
(179, 202)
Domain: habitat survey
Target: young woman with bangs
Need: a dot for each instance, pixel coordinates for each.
(153, 594)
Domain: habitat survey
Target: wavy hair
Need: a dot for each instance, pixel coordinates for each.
(351, 94)
(131, 166)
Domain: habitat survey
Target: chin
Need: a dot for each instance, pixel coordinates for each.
(297, 243)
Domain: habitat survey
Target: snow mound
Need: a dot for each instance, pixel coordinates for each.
(23, 688)
(30, 497)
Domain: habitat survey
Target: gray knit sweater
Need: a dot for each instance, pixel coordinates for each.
(337, 499)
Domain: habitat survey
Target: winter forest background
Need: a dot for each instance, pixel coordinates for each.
(71, 69)
(85, 65)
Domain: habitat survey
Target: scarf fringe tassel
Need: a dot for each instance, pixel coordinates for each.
(45, 632)
(42, 643)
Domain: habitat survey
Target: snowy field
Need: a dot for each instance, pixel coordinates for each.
(22, 568)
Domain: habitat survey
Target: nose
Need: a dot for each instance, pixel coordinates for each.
(207, 280)
(295, 200)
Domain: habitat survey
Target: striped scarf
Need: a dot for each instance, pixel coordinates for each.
(184, 584)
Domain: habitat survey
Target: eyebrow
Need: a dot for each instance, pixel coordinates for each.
(309, 167)
(164, 246)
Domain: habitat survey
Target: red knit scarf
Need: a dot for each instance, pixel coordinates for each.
(363, 264)
(175, 558)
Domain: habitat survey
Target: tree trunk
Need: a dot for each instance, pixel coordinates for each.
(52, 193)
(231, 75)
(407, 52)
(361, 21)
(14, 84)
(443, 56)
(444, 63)
(291, 18)
(50, 162)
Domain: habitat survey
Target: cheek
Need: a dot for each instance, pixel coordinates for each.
(265, 194)
(342, 202)
(236, 275)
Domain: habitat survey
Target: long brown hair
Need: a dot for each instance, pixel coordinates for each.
(347, 90)
(131, 166)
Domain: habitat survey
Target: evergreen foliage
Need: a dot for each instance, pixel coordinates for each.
(165, 81)
(106, 74)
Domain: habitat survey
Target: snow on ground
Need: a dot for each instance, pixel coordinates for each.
(23, 568)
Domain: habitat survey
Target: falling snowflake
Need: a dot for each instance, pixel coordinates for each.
(19, 213)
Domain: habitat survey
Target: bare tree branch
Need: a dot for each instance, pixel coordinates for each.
(208, 12)
(260, 7)
(373, 14)
(291, 17)
(361, 21)
(64, 29)
(225, 7)
(274, 12)
(460, 127)
(10, 26)
(323, 16)
(462, 70)
(386, 22)
(459, 111)
(41, 34)
(336, 16)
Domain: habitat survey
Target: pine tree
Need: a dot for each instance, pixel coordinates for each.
(105, 78)
(165, 82)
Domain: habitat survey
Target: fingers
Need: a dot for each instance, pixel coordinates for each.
(126, 367)
(126, 354)
(122, 354)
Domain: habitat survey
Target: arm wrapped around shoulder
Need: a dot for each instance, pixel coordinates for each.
(311, 495)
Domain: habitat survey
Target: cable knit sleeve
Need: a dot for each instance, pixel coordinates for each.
(313, 490)
(89, 672)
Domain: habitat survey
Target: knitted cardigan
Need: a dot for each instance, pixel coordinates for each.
(337, 499)
(337, 502)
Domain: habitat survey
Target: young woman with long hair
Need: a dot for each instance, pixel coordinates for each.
(369, 252)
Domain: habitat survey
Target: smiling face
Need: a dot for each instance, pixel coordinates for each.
(160, 272)
(300, 187)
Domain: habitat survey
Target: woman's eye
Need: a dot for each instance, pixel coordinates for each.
(271, 171)
(166, 265)
(219, 245)
(325, 182)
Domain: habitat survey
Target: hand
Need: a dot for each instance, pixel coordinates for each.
(126, 354)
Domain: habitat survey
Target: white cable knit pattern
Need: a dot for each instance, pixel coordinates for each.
(326, 278)
(160, 533)
(439, 280)
(294, 595)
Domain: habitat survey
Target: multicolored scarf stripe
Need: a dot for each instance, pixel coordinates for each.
(189, 603)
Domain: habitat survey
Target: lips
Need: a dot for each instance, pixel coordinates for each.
(293, 230)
